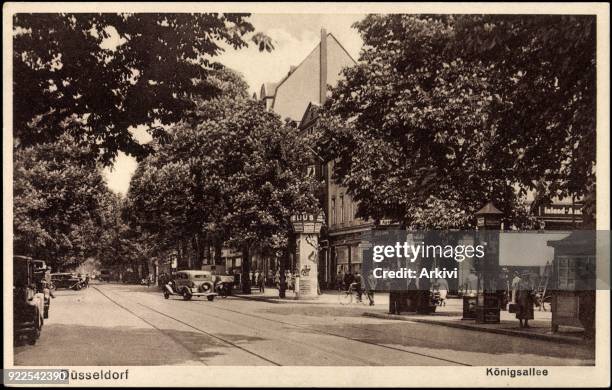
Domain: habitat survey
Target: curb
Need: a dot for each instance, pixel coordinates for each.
(280, 300)
(260, 299)
(508, 332)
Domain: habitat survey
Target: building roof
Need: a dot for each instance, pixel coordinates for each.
(310, 114)
(270, 90)
(489, 208)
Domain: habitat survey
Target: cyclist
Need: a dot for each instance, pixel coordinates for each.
(348, 280)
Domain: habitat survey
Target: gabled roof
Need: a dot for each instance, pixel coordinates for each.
(315, 48)
(311, 113)
(268, 90)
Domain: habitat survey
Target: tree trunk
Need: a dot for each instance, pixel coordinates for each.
(179, 255)
(218, 252)
(282, 267)
(199, 250)
(245, 280)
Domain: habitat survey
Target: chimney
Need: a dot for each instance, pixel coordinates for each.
(323, 67)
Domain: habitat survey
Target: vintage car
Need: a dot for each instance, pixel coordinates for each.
(28, 305)
(66, 280)
(191, 283)
(42, 275)
(224, 284)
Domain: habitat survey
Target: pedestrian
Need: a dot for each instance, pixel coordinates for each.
(261, 281)
(237, 277)
(339, 279)
(515, 286)
(357, 284)
(277, 279)
(471, 284)
(395, 306)
(524, 300)
(291, 281)
(443, 290)
(370, 288)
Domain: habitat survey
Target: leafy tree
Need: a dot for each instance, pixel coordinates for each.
(443, 113)
(231, 170)
(95, 76)
(117, 243)
(58, 197)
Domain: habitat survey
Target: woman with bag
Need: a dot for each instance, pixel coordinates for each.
(524, 301)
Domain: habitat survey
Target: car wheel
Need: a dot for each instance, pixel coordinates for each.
(207, 287)
(35, 334)
(186, 295)
(166, 295)
(210, 298)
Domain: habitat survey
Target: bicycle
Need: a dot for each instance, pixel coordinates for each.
(346, 297)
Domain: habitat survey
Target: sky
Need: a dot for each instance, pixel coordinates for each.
(294, 37)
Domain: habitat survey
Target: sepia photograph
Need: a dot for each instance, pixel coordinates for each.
(316, 194)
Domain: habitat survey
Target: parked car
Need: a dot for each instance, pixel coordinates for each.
(223, 285)
(42, 275)
(28, 305)
(191, 283)
(66, 280)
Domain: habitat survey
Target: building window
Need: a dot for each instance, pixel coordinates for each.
(341, 208)
(333, 210)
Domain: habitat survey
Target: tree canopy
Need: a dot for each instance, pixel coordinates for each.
(95, 76)
(231, 170)
(60, 201)
(444, 113)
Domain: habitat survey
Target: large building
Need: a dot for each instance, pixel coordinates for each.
(297, 97)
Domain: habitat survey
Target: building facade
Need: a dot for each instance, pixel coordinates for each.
(298, 97)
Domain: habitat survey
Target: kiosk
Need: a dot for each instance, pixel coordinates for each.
(573, 284)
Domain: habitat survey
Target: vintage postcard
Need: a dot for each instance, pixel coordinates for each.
(306, 194)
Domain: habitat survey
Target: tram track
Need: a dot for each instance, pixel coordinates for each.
(232, 344)
(259, 356)
(334, 353)
(304, 327)
(321, 332)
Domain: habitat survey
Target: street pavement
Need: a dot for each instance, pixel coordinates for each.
(113, 324)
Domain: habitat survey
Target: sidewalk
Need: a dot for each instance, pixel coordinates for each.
(450, 315)
(327, 297)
